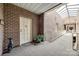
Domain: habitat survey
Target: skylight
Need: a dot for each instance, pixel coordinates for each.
(62, 11)
(73, 9)
(68, 10)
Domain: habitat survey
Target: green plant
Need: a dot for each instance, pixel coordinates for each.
(39, 38)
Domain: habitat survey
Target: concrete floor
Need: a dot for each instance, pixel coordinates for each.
(61, 47)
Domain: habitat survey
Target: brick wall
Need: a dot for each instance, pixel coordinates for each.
(41, 24)
(11, 21)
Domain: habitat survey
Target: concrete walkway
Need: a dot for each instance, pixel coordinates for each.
(61, 47)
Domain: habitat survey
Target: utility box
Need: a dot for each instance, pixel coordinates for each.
(75, 44)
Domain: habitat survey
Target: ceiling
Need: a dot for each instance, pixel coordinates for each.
(65, 10)
(36, 8)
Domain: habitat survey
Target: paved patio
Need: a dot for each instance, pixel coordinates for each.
(60, 47)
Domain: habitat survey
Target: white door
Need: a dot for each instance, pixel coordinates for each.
(1, 38)
(25, 30)
(21, 30)
(29, 30)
